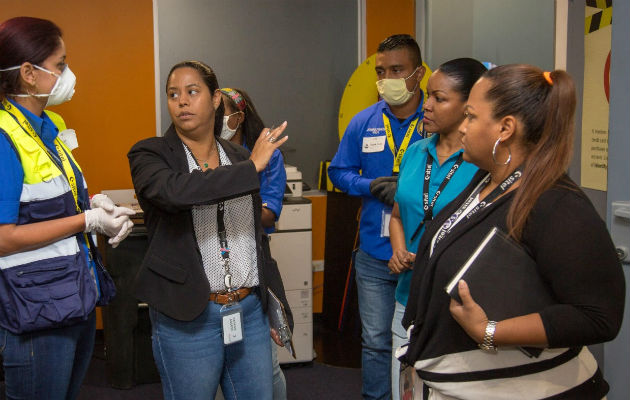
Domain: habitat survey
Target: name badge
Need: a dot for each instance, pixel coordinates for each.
(373, 144)
(385, 218)
(232, 319)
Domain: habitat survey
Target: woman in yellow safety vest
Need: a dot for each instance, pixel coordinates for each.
(51, 276)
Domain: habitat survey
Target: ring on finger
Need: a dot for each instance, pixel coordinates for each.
(272, 139)
(268, 132)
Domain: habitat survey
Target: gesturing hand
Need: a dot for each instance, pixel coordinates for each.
(469, 315)
(265, 145)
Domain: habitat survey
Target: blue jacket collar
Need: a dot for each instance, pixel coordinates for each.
(37, 122)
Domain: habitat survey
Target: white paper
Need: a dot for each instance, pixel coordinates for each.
(69, 137)
(373, 144)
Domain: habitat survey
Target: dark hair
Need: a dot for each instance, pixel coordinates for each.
(252, 124)
(210, 79)
(403, 41)
(546, 111)
(24, 39)
(465, 72)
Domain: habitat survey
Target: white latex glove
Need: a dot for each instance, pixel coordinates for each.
(108, 223)
(102, 201)
(118, 211)
(122, 234)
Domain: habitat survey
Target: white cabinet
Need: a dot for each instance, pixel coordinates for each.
(291, 247)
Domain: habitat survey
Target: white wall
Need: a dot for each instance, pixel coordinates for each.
(500, 31)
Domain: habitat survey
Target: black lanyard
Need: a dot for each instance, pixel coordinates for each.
(498, 191)
(428, 207)
(221, 232)
(223, 243)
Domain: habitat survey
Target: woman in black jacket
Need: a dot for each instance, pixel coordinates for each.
(518, 130)
(207, 268)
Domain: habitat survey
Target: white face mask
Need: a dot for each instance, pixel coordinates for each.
(226, 132)
(394, 91)
(61, 92)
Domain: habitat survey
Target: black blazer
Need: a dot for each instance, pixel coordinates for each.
(574, 254)
(171, 278)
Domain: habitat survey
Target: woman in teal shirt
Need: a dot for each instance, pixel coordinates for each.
(432, 174)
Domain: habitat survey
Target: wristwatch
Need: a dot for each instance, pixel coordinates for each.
(488, 338)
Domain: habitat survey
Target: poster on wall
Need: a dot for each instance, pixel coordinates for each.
(596, 94)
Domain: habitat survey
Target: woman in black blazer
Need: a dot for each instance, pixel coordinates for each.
(518, 130)
(207, 268)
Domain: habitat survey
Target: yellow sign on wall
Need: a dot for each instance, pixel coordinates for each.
(597, 31)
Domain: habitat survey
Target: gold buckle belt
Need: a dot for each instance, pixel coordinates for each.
(230, 297)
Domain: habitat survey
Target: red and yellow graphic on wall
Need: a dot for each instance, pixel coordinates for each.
(597, 35)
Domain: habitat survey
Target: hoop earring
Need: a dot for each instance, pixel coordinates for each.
(494, 154)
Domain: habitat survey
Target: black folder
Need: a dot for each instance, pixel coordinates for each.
(503, 279)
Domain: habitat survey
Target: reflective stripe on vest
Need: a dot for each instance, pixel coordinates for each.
(53, 285)
(55, 187)
(67, 247)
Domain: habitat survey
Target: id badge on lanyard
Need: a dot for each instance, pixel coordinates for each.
(386, 216)
(232, 321)
(231, 313)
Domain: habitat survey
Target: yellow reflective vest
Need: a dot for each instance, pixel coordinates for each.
(53, 285)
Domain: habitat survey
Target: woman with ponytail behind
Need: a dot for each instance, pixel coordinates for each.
(241, 113)
(518, 130)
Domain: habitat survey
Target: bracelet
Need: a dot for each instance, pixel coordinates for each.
(488, 338)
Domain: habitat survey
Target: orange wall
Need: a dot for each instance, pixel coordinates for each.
(109, 47)
(319, 241)
(388, 17)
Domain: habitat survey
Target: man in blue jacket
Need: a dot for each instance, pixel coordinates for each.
(366, 165)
